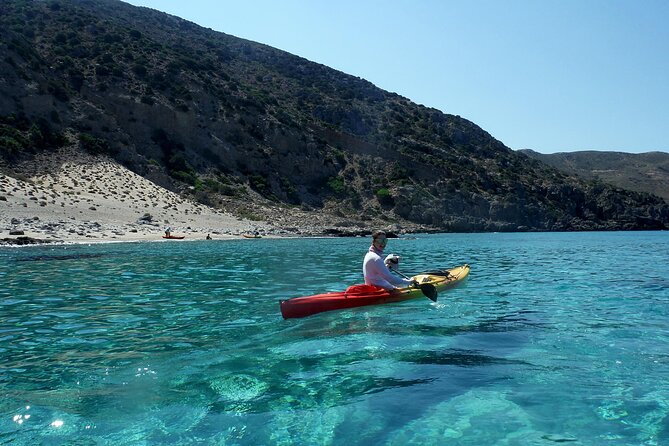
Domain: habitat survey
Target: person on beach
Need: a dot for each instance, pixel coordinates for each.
(168, 231)
(208, 236)
(375, 270)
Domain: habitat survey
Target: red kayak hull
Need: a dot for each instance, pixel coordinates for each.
(354, 296)
(363, 295)
(175, 237)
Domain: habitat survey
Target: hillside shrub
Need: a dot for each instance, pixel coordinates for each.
(7, 131)
(58, 91)
(290, 190)
(19, 134)
(188, 177)
(93, 145)
(337, 186)
(260, 184)
(177, 161)
(9, 147)
(384, 197)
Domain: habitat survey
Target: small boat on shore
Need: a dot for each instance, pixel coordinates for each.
(174, 237)
(251, 235)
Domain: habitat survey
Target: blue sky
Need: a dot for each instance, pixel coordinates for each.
(547, 75)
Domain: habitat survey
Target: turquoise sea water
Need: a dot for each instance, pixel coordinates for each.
(554, 338)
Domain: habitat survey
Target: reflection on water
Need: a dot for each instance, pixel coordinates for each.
(153, 343)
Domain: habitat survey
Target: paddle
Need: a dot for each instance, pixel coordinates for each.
(429, 290)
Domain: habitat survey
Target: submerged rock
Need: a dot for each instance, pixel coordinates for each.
(19, 241)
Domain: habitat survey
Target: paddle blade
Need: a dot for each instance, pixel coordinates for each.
(429, 291)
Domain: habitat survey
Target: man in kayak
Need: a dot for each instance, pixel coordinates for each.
(374, 269)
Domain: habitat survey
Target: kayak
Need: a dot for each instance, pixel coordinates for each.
(363, 295)
(174, 237)
(251, 236)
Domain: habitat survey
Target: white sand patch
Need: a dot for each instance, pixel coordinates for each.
(78, 197)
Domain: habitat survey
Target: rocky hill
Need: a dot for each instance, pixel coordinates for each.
(641, 172)
(260, 132)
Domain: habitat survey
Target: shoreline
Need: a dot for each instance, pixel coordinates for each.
(37, 242)
(71, 197)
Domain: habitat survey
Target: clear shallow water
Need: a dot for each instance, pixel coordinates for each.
(555, 338)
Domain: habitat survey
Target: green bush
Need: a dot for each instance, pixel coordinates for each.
(212, 184)
(189, 177)
(35, 135)
(20, 134)
(12, 133)
(231, 191)
(339, 156)
(260, 184)
(384, 196)
(198, 184)
(9, 147)
(337, 186)
(222, 185)
(177, 162)
(290, 190)
(93, 145)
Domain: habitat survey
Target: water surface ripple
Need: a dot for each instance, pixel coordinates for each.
(554, 338)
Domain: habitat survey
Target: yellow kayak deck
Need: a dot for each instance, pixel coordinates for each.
(441, 280)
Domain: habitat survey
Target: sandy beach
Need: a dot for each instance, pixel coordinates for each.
(79, 198)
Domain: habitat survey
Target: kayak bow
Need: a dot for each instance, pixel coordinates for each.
(363, 295)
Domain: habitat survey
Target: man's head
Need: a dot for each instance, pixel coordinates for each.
(379, 239)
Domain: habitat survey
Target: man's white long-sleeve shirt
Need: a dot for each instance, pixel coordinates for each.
(377, 273)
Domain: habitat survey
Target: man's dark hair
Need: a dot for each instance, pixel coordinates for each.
(377, 234)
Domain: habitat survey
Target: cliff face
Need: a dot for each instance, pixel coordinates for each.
(239, 124)
(641, 172)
